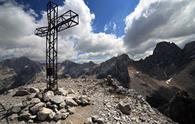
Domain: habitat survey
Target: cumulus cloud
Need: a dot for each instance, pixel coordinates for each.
(16, 34)
(158, 20)
(79, 43)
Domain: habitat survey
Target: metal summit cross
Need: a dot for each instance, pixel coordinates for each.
(55, 24)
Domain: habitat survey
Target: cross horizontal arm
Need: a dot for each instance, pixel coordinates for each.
(67, 20)
(42, 31)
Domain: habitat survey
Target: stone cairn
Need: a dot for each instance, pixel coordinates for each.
(46, 105)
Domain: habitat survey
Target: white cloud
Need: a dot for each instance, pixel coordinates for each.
(16, 34)
(79, 43)
(157, 20)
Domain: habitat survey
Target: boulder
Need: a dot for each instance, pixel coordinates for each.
(124, 108)
(57, 99)
(37, 107)
(51, 115)
(57, 116)
(84, 100)
(44, 113)
(35, 101)
(70, 102)
(62, 105)
(48, 95)
(62, 91)
(96, 119)
(65, 115)
(109, 79)
(100, 121)
(39, 95)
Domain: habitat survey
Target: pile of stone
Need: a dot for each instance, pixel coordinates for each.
(46, 105)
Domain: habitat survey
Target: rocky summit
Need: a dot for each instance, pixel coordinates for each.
(78, 101)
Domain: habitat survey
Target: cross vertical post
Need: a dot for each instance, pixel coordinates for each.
(55, 24)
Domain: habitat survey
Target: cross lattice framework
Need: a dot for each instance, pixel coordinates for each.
(55, 24)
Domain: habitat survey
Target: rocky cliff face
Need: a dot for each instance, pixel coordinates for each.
(189, 51)
(7, 78)
(117, 67)
(19, 70)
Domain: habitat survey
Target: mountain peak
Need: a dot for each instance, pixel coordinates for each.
(166, 48)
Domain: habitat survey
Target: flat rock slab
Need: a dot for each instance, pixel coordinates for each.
(57, 99)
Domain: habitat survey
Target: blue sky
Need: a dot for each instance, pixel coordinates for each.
(107, 12)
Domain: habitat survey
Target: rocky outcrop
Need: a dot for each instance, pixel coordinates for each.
(117, 67)
(21, 70)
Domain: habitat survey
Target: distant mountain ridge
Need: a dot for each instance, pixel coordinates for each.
(75, 70)
(158, 77)
(20, 70)
(166, 60)
(117, 67)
